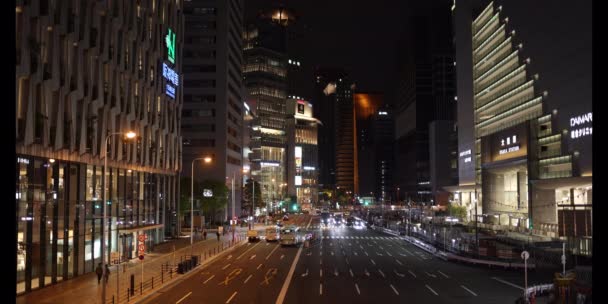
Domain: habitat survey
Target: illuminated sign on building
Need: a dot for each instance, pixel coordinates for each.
(581, 123)
(308, 168)
(300, 108)
(382, 113)
(170, 42)
(23, 160)
(168, 72)
(172, 77)
(466, 153)
(510, 140)
(298, 180)
(207, 193)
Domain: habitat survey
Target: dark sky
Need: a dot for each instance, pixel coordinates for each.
(356, 35)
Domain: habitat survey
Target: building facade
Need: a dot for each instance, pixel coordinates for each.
(424, 91)
(212, 117)
(366, 107)
(265, 74)
(84, 78)
(334, 92)
(527, 176)
(302, 181)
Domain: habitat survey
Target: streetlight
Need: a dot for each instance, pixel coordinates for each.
(207, 160)
(128, 135)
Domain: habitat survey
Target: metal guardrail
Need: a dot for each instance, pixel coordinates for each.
(168, 272)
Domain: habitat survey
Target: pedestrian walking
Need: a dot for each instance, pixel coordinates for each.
(99, 272)
(218, 236)
(204, 234)
(107, 276)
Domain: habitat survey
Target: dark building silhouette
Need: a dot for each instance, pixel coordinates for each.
(424, 91)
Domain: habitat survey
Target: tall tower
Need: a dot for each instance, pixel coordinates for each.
(265, 77)
(212, 117)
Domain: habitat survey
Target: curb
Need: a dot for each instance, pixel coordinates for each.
(178, 279)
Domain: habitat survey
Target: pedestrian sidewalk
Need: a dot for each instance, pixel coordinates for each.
(85, 289)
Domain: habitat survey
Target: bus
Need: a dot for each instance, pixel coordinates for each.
(291, 235)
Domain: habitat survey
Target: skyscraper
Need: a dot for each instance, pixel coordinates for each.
(366, 109)
(212, 116)
(337, 140)
(424, 92)
(265, 72)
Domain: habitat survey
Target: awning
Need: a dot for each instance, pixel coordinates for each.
(140, 228)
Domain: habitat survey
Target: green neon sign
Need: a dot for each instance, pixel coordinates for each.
(170, 42)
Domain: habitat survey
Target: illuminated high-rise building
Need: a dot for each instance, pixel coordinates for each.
(265, 78)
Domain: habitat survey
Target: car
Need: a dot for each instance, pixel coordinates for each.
(252, 235)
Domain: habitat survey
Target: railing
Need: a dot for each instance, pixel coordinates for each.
(170, 271)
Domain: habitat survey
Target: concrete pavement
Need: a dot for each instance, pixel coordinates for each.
(86, 289)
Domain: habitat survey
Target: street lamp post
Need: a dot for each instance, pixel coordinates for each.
(207, 160)
(128, 135)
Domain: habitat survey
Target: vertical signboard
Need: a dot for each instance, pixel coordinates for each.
(298, 161)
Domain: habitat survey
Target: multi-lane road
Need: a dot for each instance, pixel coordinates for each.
(344, 265)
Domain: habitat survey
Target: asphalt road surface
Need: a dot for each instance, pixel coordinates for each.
(343, 265)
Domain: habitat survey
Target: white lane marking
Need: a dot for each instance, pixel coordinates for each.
(234, 294)
(351, 272)
(268, 256)
(443, 274)
(378, 253)
(267, 243)
(389, 254)
(399, 274)
(431, 289)
(320, 288)
(259, 266)
(229, 257)
(283, 292)
(468, 290)
(366, 272)
(398, 262)
(408, 251)
(336, 271)
(508, 283)
(252, 257)
(373, 261)
(249, 277)
(366, 253)
(332, 253)
(242, 254)
(282, 256)
(355, 253)
(320, 262)
(357, 286)
(430, 275)
(321, 272)
(412, 273)
(382, 273)
(183, 298)
(395, 290)
(223, 268)
(306, 273)
(402, 254)
(211, 277)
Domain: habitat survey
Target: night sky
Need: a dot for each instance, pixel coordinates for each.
(360, 36)
(354, 35)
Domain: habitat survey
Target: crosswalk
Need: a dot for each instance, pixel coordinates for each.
(351, 237)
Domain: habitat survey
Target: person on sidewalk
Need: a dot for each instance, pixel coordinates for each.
(107, 276)
(205, 235)
(218, 236)
(99, 272)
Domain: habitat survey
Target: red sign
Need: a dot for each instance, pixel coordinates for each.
(141, 247)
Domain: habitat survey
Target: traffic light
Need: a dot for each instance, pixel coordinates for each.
(294, 207)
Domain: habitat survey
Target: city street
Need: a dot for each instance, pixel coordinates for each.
(359, 266)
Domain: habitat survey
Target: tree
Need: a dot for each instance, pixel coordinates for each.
(248, 196)
(456, 211)
(218, 199)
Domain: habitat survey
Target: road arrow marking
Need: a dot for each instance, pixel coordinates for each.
(306, 273)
